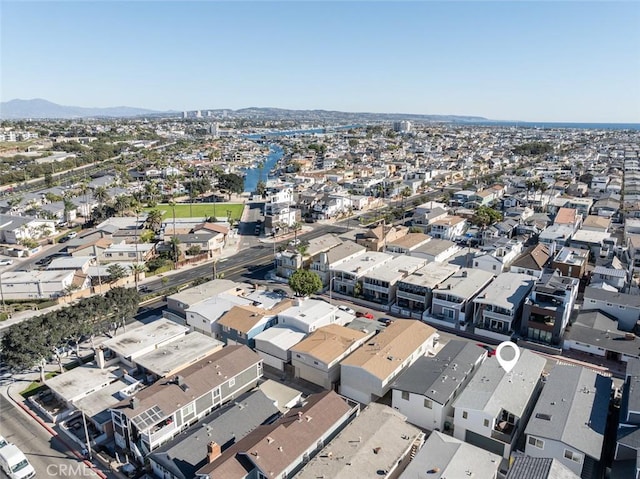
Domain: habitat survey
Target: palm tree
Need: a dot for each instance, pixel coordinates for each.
(151, 191)
(137, 269)
(121, 203)
(172, 203)
(154, 220)
(116, 271)
(100, 194)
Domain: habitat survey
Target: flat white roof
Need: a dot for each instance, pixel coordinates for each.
(74, 385)
(282, 337)
(213, 308)
(310, 310)
(364, 263)
(179, 353)
(588, 236)
(431, 275)
(131, 341)
(507, 290)
(70, 262)
(35, 276)
(397, 268)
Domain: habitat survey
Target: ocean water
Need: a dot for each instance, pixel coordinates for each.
(555, 125)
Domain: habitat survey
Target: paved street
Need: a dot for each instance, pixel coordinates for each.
(48, 454)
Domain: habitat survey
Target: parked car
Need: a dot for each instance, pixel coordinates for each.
(386, 321)
(46, 261)
(6, 262)
(346, 309)
(364, 314)
(490, 351)
(15, 464)
(72, 234)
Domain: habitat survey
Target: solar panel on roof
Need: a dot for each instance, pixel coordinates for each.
(148, 418)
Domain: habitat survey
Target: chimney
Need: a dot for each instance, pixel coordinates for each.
(134, 402)
(180, 381)
(464, 274)
(100, 357)
(213, 451)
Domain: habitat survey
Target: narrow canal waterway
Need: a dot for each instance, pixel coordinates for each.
(256, 174)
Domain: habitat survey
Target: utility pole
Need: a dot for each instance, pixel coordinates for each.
(4, 306)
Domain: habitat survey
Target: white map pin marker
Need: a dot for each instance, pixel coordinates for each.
(507, 364)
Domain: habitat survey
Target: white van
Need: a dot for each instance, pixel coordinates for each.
(14, 463)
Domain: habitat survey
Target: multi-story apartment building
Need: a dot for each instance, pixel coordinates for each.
(548, 308)
(498, 307)
(158, 413)
(414, 292)
(452, 301)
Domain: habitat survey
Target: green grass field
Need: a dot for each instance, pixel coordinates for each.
(196, 210)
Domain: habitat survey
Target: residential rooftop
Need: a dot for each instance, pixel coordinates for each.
(465, 282)
(178, 354)
(573, 409)
(438, 377)
(79, 382)
(364, 263)
(187, 453)
(329, 342)
(133, 341)
(198, 379)
(431, 275)
(445, 457)
(492, 389)
(376, 440)
(397, 268)
(507, 290)
(382, 354)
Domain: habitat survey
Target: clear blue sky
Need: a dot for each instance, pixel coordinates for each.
(530, 61)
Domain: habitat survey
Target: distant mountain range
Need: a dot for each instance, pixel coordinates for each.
(327, 115)
(44, 109)
(41, 109)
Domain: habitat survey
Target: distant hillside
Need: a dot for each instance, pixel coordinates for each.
(43, 109)
(328, 115)
(39, 108)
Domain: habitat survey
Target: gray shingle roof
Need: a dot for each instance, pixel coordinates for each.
(598, 329)
(438, 377)
(451, 458)
(576, 400)
(612, 297)
(187, 453)
(539, 468)
(492, 389)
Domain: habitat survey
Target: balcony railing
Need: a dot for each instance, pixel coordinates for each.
(503, 432)
(411, 296)
(157, 433)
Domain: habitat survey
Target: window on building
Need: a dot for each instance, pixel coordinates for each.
(486, 423)
(535, 442)
(428, 403)
(464, 414)
(232, 382)
(405, 395)
(573, 456)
